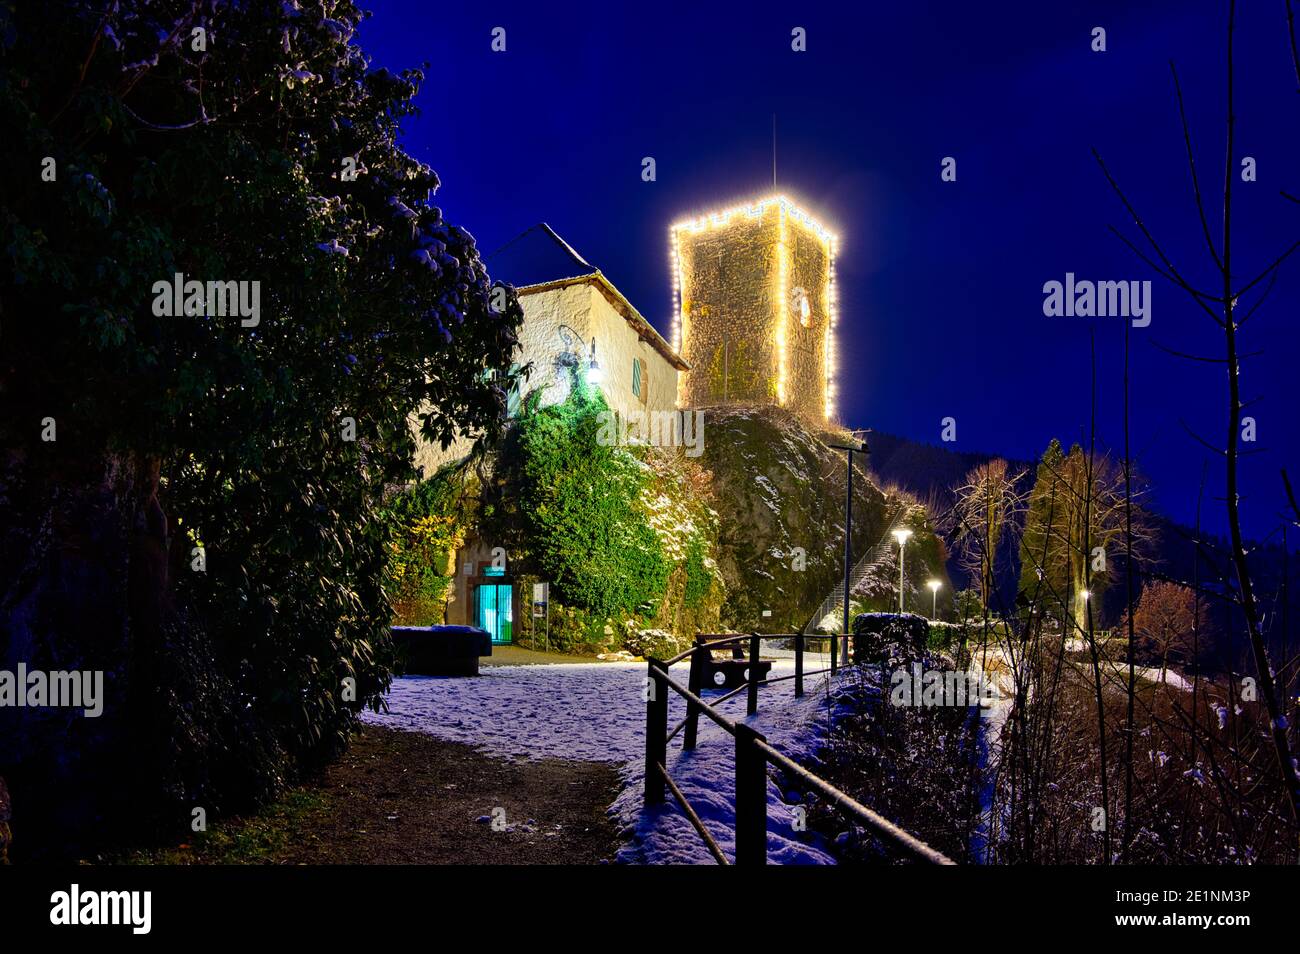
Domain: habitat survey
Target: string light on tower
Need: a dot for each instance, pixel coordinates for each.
(783, 308)
(829, 346)
(732, 316)
(675, 265)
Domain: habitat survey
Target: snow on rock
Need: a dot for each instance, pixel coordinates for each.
(596, 712)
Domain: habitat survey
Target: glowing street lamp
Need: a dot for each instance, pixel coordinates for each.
(848, 541)
(594, 374)
(934, 592)
(901, 536)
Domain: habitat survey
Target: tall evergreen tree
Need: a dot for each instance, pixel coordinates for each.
(187, 500)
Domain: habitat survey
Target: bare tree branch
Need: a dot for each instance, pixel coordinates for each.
(1191, 164)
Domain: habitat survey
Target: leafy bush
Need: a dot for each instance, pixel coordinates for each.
(944, 635)
(580, 501)
(221, 165)
(878, 634)
(428, 524)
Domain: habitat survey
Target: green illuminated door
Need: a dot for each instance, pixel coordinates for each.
(495, 610)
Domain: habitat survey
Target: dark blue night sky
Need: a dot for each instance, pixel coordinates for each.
(940, 283)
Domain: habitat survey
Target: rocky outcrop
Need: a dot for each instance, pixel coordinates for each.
(779, 490)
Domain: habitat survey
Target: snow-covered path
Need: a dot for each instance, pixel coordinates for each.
(588, 711)
(596, 712)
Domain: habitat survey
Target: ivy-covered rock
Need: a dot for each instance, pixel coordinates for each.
(780, 492)
(626, 535)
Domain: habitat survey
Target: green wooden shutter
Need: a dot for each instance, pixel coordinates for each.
(636, 377)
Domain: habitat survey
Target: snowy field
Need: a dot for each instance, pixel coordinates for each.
(596, 712)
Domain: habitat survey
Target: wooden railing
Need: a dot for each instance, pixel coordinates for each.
(752, 755)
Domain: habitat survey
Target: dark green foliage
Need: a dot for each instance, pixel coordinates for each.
(578, 497)
(698, 578)
(428, 522)
(877, 634)
(1043, 572)
(945, 636)
(223, 165)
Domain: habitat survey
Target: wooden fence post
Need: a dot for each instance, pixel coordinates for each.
(751, 798)
(798, 665)
(656, 732)
(699, 664)
(751, 705)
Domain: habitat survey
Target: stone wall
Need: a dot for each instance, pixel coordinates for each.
(808, 275)
(586, 309)
(745, 280)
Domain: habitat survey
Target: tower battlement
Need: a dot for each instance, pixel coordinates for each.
(754, 308)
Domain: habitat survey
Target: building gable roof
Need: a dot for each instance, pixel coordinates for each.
(535, 257)
(538, 260)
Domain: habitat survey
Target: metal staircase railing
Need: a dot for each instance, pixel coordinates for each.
(874, 558)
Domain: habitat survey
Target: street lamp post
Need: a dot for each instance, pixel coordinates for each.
(901, 536)
(848, 544)
(934, 603)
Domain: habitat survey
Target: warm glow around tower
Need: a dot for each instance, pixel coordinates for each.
(754, 307)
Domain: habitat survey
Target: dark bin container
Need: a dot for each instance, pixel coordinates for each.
(441, 650)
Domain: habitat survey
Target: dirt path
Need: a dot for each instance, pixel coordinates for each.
(519, 656)
(409, 798)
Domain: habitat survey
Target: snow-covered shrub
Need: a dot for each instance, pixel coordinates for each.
(916, 765)
(658, 643)
(878, 635)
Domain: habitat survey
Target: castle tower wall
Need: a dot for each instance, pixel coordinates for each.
(755, 309)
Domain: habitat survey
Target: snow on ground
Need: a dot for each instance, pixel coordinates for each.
(596, 712)
(706, 777)
(592, 712)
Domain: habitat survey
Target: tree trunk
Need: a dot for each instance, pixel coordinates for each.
(83, 542)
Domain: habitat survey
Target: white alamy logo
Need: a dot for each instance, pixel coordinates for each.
(75, 906)
(942, 687)
(1087, 299)
(194, 298)
(656, 428)
(34, 688)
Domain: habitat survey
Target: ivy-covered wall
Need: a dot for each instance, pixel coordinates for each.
(645, 547)
(755, 290)
(625, 535)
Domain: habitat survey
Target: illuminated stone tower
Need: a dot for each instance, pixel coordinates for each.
(754, 309)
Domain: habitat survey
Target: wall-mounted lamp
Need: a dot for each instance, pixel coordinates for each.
(594, 374)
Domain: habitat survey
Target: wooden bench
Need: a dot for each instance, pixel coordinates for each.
(732, 671)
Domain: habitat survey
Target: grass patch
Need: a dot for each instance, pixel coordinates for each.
(262, 838)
